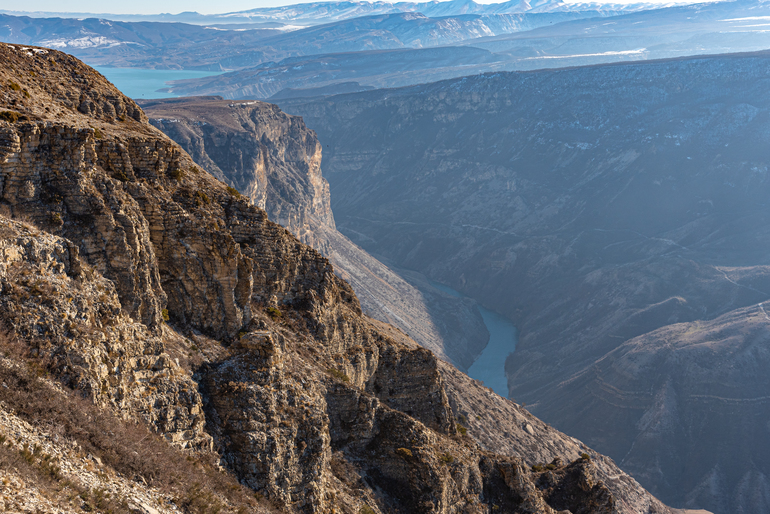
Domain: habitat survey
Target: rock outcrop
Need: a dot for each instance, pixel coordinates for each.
(71, 314)
(274, 160)
(159, 292)
(270, 157)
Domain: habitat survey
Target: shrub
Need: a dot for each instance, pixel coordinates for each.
(49, 468)
(274, 312)
(164, 313)
(56, 219)
(585, 456)
(201, 198)
(98, 134)
(234, 192)
(198, 499)
(404, 452)
(365, 509)
(13, 85)
(11, 116)
(537, 468)
(338, 374)
(446, 458)
(461, 429)
(176, 173)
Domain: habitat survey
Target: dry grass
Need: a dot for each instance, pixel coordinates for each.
(34, 466)
(129, 448)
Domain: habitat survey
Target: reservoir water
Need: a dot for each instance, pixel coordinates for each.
(139, 83)
(489, 367)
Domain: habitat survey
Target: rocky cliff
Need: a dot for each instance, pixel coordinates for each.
(594, 207)
(153, 289)
(270, 157)
(273, 159)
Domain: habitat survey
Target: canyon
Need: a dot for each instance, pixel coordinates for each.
(168, 300)
(616, 213)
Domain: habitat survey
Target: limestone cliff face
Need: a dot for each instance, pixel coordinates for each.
(270, 426)
(85, 206)
(166, 242)
(71, 316)
(129, 260)
(274, 159)
(264, 153)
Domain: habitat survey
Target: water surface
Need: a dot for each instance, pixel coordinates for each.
(489, 367)
(142, 83)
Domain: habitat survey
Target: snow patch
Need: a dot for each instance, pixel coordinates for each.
(82, 42)
(602, 54)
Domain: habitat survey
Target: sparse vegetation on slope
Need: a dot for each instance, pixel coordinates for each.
(191, 480)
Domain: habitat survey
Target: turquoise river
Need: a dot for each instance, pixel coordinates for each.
(489, 367)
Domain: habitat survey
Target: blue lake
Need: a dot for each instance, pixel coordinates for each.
(489, 367)
(139, 83)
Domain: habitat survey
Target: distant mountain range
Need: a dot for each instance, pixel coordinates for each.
(315, 13)
(710, 28)
(178, 45)
(328, 48)
(532, 41)
(323, 12)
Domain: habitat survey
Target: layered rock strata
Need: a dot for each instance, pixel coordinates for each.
(274, 159)
(71, 315)
(270, 157)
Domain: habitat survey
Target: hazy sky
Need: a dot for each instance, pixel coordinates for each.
(169, 6)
